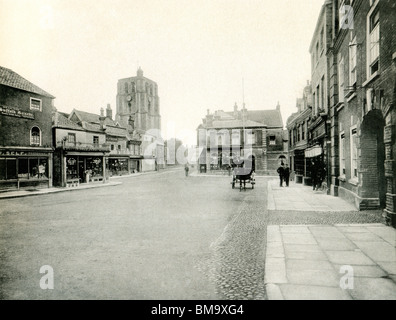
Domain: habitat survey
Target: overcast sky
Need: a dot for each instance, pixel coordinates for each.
(198, 52)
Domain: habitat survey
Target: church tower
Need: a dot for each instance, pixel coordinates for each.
(138, 103)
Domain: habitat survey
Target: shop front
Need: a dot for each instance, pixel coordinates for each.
(84, 167)
(135, 164)
(117, 166)
(23, 168)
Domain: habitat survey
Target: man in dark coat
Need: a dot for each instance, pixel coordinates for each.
(281, 171)
(286, 174)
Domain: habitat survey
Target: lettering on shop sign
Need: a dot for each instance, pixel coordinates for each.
(15, 112)
(21, 153)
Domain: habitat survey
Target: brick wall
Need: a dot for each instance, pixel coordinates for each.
(16, 131)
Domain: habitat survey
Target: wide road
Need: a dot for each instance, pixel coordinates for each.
(155, 236)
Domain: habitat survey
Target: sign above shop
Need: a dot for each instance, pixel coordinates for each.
(15, 112)
(313, 152)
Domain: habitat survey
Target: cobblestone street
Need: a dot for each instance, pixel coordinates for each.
(197, 239)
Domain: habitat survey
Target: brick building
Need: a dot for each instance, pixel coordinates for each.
(225, 136)
(362, 99)
(25, 133)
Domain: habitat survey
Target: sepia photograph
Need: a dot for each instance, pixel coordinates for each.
(218, 152)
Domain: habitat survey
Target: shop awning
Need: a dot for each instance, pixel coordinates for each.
(313, 152)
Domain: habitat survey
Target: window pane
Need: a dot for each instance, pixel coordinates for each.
(33, 168)
(2, 169)
(11, 169)
(23, 169)
(71, 168)
(43, 168)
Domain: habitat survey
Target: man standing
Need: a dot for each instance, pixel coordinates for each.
(186, 169)
(286, 174)
(281, 172)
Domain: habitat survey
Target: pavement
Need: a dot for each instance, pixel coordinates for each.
(326, 262)
(303, 198)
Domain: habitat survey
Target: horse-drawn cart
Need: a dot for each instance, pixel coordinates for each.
(243, 176)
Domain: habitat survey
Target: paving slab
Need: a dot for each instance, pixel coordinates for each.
(273, 234)
(297, 264)
(327, 243)
(275, 250)
(373, 289)
(326, 231)
(388, 234)
(378, 251)
(365, 271)
(294, 229)
(305, 292)
(362, 236)
(389, 267)
(296, 238)
(292, 247)
(327, 278)
(306, 255)
(349, 258)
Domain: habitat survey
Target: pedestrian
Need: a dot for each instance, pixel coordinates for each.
(281, 171)
(286, 174)
(186, 169)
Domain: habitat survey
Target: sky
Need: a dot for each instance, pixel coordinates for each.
(203, 54)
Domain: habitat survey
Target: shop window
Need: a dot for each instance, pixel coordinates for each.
(35, 136)
(43, 169)
(95, 165)
(23, 168)
(71, 168)
(35, 104)
(3, 169)
(33, 168)
(8, 169)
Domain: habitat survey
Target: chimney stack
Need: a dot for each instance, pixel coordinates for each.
(278, 106)
(109, 112)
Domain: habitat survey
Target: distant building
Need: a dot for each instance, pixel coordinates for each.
(138, 109)
(226, 137)
(297, 127)
(25, 133)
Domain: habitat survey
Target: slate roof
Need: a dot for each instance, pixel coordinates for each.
(12, 79)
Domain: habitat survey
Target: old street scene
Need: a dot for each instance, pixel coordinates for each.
(217, 154)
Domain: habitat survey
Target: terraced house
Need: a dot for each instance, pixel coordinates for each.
(26, 151)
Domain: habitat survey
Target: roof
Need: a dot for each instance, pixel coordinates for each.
(60, 121)
(91, 117)
(271, 118)
(14, 80)
(227, 124)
